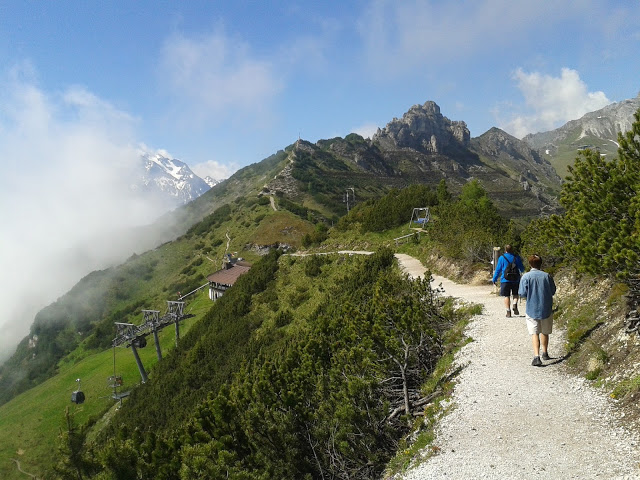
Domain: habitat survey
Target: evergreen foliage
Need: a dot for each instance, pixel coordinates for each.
(392, 210)
(73, 464)
(206, 358)
(219, 216)
(293, 207)
(600, 229)
(469, 227)
(331, 401)
(319, 235)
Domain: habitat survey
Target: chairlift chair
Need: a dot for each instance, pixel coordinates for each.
(420, 216)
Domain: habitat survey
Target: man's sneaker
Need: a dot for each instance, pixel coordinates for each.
(545, 356)
(515, 310)
(536, 362)
(508, 313)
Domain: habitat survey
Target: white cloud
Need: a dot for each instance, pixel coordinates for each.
(214, 169)
(551, 101)
(89, 110)
(403, 35)
(215, 74)
(414, 35)
(63, 190)
(366, 130)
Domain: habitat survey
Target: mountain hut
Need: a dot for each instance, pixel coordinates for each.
(225, 278)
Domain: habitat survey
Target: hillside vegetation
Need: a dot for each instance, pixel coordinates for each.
(270, 316)
(309, 367)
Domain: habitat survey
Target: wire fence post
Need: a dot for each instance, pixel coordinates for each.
(494, 263)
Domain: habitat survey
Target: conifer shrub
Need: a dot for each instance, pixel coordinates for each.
(469, 227)
(390, 211)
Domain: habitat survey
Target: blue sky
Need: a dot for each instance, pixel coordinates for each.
(229, 83)
(220, 85)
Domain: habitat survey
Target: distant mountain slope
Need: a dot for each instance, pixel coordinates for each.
(423, 146)
(527, 167)
(596, 130)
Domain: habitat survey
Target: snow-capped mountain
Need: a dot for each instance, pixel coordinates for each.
(211, 181)
(168, 180)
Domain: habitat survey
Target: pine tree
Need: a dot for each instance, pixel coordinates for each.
(73, 464)
(601, 226)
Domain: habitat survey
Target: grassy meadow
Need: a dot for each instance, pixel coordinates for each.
(31, 422)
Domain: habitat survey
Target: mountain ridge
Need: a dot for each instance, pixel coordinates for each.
(597, 130)
(422, 147)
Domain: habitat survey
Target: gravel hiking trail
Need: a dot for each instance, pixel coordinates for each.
(510, 420)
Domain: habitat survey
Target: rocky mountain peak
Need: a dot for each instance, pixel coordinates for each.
(425, 129)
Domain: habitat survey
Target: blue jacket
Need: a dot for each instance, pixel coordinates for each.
(538, 288)
(503, 263)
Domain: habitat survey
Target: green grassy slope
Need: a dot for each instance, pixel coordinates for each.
(31, 422)
(566, 154)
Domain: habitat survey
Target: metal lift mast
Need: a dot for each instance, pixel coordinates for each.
(134, 336)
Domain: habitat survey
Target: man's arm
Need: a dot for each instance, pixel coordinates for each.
(524, 287)
(498, 270)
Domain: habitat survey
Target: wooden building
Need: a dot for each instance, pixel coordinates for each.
(225, 278)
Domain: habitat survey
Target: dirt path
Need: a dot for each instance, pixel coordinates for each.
(514, 421)
(19, 467)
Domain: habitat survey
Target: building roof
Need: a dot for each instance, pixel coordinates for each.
(228, 276)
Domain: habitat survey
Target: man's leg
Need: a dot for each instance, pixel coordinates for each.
(515, 304)
(507, 302)
(505, 291)
(545, 342)
(535, 341)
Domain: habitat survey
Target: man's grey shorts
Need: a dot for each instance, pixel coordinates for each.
(544, 326)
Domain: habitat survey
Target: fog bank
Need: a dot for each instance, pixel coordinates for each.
(64, 195)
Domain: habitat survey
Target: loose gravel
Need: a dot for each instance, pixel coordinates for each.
(510, 420)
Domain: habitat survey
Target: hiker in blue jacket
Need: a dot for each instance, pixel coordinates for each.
(509, 283)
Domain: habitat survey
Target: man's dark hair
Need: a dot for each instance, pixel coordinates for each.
(535, 261)
(508, 248)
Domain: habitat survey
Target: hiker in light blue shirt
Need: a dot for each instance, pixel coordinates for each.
(538, 288)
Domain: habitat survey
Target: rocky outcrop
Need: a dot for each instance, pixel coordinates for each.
(283, 182)
(425, 129)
